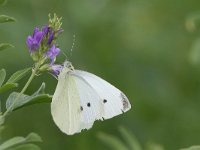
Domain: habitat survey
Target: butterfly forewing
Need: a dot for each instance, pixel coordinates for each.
(91, 108)
(113, 100)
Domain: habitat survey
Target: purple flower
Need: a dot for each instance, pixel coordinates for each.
(45, 29)
(51, 37)
(33, 42)
(52, 53)
(56, 69)
(49, 33)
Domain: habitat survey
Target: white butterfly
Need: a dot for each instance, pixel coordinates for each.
(81, 98)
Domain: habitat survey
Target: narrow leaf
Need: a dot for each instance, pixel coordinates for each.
(192, 148)
(194, 56)
(130, 139)
(26, 147)
(7, 87)
(14, 78)
(2, 119)
(33, 137)
(26, 100)
(4, 46)
(3, 2)
(4, 18)
(16, 141)
(112, 141)
(12, 142)
(18, 75)
(2, 76)
(153, 146)
(1, 129)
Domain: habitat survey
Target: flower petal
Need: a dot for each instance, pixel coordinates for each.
(35, 31)
(56, 69)
(51, 37)
(45, 29)
(38, 36)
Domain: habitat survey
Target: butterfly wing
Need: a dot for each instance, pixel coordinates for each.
(81, 98)
(74, 106)
(66, 104)
(90, 106)
(109, 101)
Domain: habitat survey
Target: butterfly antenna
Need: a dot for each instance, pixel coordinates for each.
(74, 39)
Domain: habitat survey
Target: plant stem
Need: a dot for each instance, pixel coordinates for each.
(22, 91)
(28, 83)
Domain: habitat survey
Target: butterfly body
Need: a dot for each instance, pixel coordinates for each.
(81, 98)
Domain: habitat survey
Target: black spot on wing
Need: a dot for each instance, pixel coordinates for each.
(88, 104)
(125, 101)
(104, 101)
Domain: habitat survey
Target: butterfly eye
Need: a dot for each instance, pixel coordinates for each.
(88, 104)
(104, 101)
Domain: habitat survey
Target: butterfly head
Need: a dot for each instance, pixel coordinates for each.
(67, 66)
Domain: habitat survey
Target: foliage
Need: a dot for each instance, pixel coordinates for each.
(130, 142)
(3, 2)
(18, 143)
(193, 25)
(18, 100)
(24, 100)
(192, 148)
(4, 19)
(38, 97)
(5, 46)
(12, 81)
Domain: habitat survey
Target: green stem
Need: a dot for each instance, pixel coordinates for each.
(22, 91)
(28, 83)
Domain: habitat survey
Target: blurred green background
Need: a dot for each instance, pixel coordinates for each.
(140, 46)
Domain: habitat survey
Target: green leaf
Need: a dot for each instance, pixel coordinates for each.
(4, 18)
(3, 2)
(5, 46)
(26, 147)
(153, 146)
(192, 148)
(194, 56)
(16, 141)
(2, 119)
(112, 141)
(18, 75)
(193, 22)
(1, 129)
(2, 76)
(25, 100)
(7, 87)
(130, 139)
(33, 137)
(14, 78)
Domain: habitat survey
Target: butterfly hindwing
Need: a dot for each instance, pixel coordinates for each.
(65, 105)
